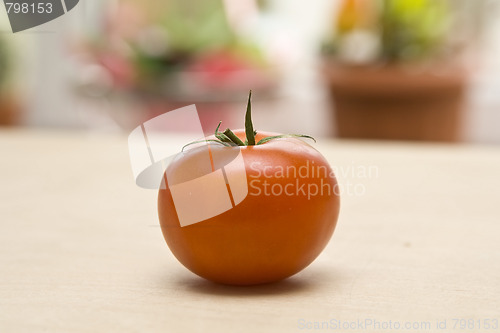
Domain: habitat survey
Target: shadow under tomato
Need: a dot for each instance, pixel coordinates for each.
(304, 282)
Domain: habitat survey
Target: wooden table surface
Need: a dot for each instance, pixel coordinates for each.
(417, 246)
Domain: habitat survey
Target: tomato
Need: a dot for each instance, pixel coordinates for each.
(283, 223)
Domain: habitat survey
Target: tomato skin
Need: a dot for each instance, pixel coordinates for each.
(265, 238)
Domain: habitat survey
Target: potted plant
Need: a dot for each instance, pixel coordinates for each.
(393, 73)
(177, 53)
(8, 107)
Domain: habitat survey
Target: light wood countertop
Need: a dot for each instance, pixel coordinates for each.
(417, 243)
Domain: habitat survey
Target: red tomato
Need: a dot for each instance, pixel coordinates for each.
(281, 226)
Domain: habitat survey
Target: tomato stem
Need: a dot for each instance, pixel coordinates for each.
(249, 131)
(228, 138)
(269, 138)
(228, 133)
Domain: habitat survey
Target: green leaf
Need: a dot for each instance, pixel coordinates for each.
(208, 140)
(233, 137)
(249, 131)
(269, 138)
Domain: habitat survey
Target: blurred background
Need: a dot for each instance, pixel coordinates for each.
(373, 69)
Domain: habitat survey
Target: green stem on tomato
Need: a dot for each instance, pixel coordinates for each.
(229, 139)
(209, 140)
(249, 131)
(269, 138)
(228, 133)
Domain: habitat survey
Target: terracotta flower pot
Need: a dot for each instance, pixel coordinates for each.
(392, 102)
(9, 111)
